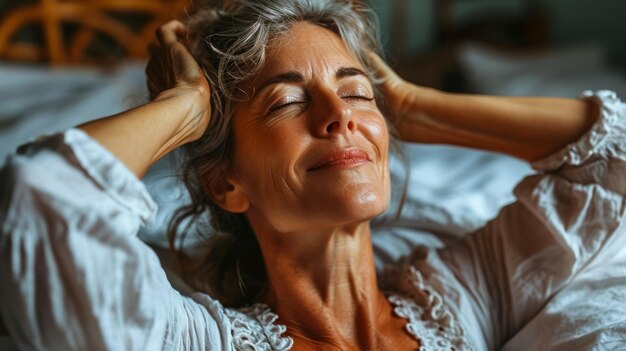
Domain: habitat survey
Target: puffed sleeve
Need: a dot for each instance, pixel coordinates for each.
(73, 274)
(567, 217)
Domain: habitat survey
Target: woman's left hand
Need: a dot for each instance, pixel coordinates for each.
(405, 104)
(525, 127)
(397, 90)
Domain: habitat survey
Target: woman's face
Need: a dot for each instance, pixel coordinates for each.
(310, 146)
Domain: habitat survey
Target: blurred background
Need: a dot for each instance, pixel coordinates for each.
(453, 44)
(63, 62)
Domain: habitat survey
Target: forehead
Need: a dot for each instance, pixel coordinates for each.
(309, 49)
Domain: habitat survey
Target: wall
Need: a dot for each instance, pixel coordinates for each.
(572, 21)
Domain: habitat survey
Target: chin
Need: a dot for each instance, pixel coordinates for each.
(358, 201)
(341, 204)
(359, 206)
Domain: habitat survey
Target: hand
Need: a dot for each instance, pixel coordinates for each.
(173, 71)
(397, 90)
(407, 104)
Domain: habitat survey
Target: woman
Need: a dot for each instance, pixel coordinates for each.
(288, 148)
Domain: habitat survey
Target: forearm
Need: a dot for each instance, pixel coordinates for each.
(141, 136)
(528, 128)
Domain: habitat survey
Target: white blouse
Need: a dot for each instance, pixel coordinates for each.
(74, 276)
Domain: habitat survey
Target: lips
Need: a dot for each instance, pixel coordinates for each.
(340, 158)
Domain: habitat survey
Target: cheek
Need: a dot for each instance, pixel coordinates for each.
(376, 132)
(264, 161)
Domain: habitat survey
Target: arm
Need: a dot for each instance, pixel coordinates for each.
(527, 128)
(73, 274)
(179, 113)
(568, 219)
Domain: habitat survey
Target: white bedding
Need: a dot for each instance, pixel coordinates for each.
(451, 190)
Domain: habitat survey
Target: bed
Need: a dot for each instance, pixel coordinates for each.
(451, 190)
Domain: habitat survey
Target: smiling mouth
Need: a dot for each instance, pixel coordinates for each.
(341, 158)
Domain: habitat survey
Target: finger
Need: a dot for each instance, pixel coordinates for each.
(381, 67)
(150, 71)
(183, 59)
(168, 33)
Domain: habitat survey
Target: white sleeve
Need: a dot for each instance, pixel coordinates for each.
(73, 274)
(566, 218)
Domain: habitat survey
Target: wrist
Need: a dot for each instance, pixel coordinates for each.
(188, 98)
(418, 119)
(190, 108)
(412, 103)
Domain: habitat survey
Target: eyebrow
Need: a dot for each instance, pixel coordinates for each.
(287, 77)
(297, 77)
(345, 72)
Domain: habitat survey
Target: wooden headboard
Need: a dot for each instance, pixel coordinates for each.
(70, 29)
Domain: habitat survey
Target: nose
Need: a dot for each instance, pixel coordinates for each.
(336, 117)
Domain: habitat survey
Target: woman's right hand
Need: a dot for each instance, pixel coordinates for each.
(173, 72)
(179, 112)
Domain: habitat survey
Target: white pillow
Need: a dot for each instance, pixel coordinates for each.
(497, 72)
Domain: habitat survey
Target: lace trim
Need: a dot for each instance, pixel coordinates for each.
(253, 329)
(429, 318)
(609, 115)
(593, 141)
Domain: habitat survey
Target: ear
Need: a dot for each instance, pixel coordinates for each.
(228, 194)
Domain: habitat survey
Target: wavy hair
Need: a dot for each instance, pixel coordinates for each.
(230, 42)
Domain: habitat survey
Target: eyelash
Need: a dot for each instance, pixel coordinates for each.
(276, 108)
(359, 97)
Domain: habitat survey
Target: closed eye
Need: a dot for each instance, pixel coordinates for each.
(358, 97)
(281, 106)
(291, 103)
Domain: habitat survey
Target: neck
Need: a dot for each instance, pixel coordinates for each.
(323, 285)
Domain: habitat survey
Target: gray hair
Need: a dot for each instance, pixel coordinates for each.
(230, 42)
